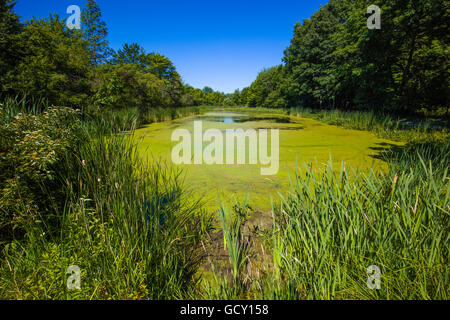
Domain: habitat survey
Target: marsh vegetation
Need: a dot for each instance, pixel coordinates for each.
(86, 176)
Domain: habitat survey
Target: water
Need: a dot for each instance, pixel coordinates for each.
(228, 120)
(300, 140)
(230, 117)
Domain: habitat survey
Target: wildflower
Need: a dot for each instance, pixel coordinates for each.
(83, 162)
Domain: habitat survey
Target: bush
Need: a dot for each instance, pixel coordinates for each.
(131, 227)
(34, 149)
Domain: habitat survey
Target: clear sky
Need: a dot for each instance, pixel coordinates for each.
(223, 44)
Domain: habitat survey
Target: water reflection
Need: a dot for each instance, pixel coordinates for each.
(228, 119)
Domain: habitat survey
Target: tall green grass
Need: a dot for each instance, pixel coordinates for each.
(131, 227)
(126, 119)
(238, 248)
(167, 114)
(384, 125)
(134, 229)
(233, 234)
(13, 106)
(335, 224)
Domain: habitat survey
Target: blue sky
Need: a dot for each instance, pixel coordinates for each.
(223, 44)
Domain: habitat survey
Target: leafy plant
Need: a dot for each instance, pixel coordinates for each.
(234, 238)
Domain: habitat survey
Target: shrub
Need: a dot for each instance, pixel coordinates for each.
(33, 151)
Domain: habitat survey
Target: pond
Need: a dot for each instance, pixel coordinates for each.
(230, 117)
(301, 141)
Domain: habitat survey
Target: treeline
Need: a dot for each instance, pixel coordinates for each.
(42, 58)
(335, 61)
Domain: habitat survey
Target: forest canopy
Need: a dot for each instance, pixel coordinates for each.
(335, 61)
(43, 58)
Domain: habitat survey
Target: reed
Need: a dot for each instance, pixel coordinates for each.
(131, 226)
(234, 242)
(334, 224)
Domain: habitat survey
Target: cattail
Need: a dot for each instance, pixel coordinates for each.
(395, 181)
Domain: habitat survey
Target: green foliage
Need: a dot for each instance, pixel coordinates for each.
(54, 64)
(404, 66)
(130, 54)
(10, 27)
(204, 97)
(161, 66)
(335, 224)
(335, 61)
(233, 234)
(124, 86)
(130, 226)
(155, 72)
(154, 63)
(383, 125)
(75, 192)
(33, 151)
(167, 114)
(94, 31)
(111, 120)
(266, 89)
(44, 59)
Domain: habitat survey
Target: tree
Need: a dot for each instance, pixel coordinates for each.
(161, 66)
(208, 90)
(310, 60)
(10, 27)
(265, 91)
(95, 32)
(55, 64)
(244, 97)
(335, 61)
(405, 66)
(236, 97)
(124, 86)
(155, 63)
(131, 54)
